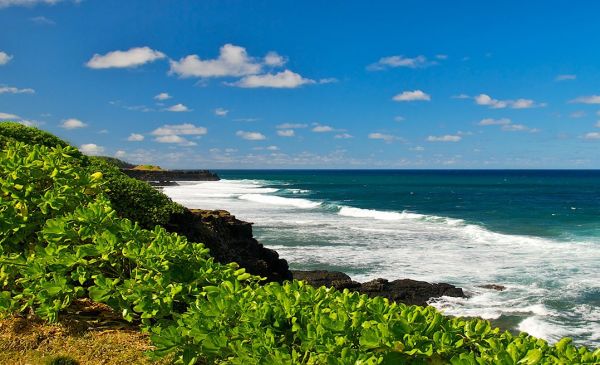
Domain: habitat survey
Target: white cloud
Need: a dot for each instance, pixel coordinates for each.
(577, 114)
(172, 138)
(597, 125)
(246, 119)
(322, 129)
(72, 123)
(275, 60)
(417, 148)
(232, 61)
(399, 118)
(179, 129)
(441, 56)
(565, 77)
(385, 137)
(14, 90)
(131, 58)
(514, 128)
(91, 149)
(343, 136)
(4, 58)
(592, 136)
(135, 137)
(286, 133)
(282, 80)
(272, 148)
(162, 96)
(399, 61)
(178, 108)
(7, 3)
(251, 136)
(42, 20)
(7, 116)
(591, 99)
(492, 121)
(416, 95)
(120, 154)
(291, 126)
(445, 138)
(221, 112)
(461, 96)
(484, 99)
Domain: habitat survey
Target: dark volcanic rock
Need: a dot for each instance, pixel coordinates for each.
(230, 240)
(405, 290)
(493, 287)
(165, 176)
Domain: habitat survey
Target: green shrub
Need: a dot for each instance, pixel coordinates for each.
(135, 199)
(68, 242)
(11, 131)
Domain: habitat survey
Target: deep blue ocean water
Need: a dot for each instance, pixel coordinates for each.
(537, 232)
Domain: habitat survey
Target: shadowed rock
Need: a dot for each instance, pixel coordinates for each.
(406, 291)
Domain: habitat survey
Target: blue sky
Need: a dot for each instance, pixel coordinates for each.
(312, 84)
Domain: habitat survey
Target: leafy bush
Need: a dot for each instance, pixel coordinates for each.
(135, 199)
(11, 131)
(62, 240)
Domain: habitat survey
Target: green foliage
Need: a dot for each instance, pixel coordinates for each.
(62, 360)
(62, 239)
(135, 199)
(11, 131)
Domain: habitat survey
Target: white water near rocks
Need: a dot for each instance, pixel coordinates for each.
(546, 281)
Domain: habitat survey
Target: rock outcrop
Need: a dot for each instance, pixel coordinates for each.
(405, 291)
(164, 177)
(230, 239)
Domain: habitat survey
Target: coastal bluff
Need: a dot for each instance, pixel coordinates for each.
(168, 177)
(231, 240)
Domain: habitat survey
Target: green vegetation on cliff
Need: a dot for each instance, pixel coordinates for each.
(63, 238)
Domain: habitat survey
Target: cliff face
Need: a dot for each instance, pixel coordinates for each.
(230, 239)
(171, 175)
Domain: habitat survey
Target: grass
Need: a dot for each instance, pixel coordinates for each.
(90, 333)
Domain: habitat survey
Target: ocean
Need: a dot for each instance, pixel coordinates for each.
(536, 232)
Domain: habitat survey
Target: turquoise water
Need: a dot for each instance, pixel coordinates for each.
(535, 232)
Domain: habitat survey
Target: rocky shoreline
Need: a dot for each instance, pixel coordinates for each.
(230, 239)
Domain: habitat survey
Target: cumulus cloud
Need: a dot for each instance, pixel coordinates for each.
(385, 137)
(131, 58)
(286, 133)
(232, 61)
(592, 136)
(135, 137)
(322, 129)
(178, 108)
(281, 80)
(162, 96)
(221, 112)
(565, 77)
(4, 58)
(8, 116)
(120, 154)
(399, 118)
(174, 139)
(291, 126)
(445, 138)
(461, 96)
(415, 95)
(72, 123)
(15, 90)
(399, 61)
(274, 60)
(591, 99)
(179, 129)
(91, 149)
(492, 121)
(486, 100)
(251, 136)
(343, 136)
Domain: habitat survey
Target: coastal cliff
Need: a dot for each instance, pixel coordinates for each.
(230, 239)
(165, 177)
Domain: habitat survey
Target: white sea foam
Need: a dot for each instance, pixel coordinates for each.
(278, 200)
(369, 243)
